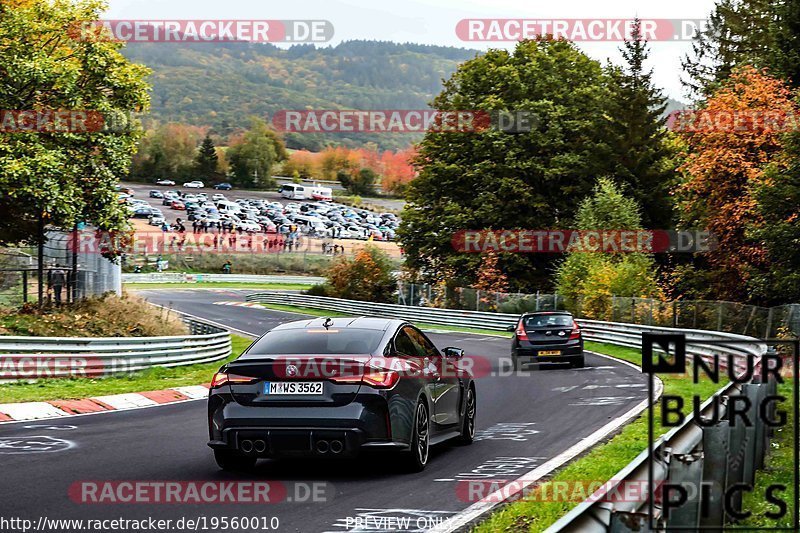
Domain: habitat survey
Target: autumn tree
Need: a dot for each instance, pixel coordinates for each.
(167, 151)
(724, 167)
(367, 276)
(496, 180)
(62, 178)
(589, 279)
(253, 155)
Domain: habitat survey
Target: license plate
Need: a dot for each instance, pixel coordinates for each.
(293, 388)
(550, 352)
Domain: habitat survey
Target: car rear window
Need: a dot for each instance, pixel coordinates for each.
(545, 321)
(317, 341)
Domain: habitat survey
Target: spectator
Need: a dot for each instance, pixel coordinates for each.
(226, 268)
(58, 278)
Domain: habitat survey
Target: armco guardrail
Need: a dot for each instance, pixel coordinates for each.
(716, 457)
(719, 454)
(610, 332)
(38, 357)
(182, 277)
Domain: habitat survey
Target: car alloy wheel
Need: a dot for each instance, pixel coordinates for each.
(422, 441)
(468, 432)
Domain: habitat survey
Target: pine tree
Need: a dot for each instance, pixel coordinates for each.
(778, 199)
(740, 32)
(206, 161)
(637, 136)
(786, 31)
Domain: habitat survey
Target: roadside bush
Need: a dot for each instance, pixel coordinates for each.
(320, 289)
(104, 316)
(366, 277)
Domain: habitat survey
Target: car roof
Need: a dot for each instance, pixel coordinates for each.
(541, 313)
(361, 322)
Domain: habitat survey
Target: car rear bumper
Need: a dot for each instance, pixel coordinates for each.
(532, 355)
(299, 431)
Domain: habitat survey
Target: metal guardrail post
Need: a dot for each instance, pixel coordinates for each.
(736, 456)
(686, 469)
(749, 474)
(760, 427)
(715, 470)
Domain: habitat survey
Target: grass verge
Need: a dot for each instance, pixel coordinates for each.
(151, 379)
(219, 285)
(778, 469)
(599, 464)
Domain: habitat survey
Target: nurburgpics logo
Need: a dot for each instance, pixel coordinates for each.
(715, 444)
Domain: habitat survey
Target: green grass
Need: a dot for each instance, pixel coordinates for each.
(599, 464)
(311, 311)
(151, 379)
(219, 285)
(778, 470)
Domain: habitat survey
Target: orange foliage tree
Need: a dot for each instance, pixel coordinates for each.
(366, 277)
(724, 166)
(394, 168)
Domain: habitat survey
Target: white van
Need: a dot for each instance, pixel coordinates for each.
(294, 192)
(310, 224)
(228, 208)
(322, 193)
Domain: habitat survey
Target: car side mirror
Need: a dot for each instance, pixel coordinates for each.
(511, 328)
(455, 353)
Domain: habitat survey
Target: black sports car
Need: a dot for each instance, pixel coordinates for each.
(333, 387)
(546, 337)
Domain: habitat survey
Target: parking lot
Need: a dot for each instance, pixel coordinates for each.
(262, 212)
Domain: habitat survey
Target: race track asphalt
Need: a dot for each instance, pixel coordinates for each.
(522, 421)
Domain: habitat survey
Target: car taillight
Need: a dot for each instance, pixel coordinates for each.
(520, 333)
(222, 378)
(575, 333)
(380, 378)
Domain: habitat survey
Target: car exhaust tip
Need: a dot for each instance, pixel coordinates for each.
(246, 446)
(260, 446)
(322, 446)
(337, 446)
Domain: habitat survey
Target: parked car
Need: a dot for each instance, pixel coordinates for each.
(142, 212)
(223, 186)
(156, 194)
(391, 390)
(217, 197)
(178, 205)
(195, 184)
(168, 183)
(546, 337)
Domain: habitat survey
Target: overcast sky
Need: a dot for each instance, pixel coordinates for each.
(434, 21)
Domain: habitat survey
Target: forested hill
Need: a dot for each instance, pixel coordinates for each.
(221, 84)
